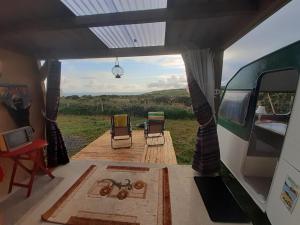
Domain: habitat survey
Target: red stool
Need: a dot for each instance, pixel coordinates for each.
(31, 152)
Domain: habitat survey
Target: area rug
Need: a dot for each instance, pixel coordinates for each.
(219, 202)
(115, 195)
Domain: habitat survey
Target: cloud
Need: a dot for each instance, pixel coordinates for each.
(168, 82)
(172, 61)
(88, 78)
(74, 81)
(94, 75)
(97, 84)
(90, 60)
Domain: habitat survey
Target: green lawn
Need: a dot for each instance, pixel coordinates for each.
(84, 129)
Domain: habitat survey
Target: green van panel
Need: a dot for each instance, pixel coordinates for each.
(247, 79)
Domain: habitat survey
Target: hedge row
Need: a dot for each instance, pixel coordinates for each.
(171, 112)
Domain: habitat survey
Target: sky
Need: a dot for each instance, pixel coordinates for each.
(150, 73)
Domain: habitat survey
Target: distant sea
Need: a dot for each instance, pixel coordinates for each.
(101, 93)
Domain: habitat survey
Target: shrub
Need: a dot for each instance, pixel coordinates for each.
(174, 107)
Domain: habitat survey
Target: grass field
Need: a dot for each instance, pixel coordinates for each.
(79, 131)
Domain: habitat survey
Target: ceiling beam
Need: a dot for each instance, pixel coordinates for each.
(109, 53)
(209, 9)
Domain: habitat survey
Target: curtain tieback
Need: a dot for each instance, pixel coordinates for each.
(208, 122)
(217, 92)
(46, 118)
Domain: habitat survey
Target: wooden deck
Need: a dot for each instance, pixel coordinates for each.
(101, 149)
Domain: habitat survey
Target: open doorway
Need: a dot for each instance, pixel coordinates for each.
(275, 95)
(91, 94)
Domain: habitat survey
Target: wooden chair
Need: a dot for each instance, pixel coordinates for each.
(154, 126)
(120, 129)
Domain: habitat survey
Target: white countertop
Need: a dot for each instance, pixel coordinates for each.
(279, 128)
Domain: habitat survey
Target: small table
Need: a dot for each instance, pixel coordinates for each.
(31, 152)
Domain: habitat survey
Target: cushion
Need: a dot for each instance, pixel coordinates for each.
(158, 116)
(120, 120)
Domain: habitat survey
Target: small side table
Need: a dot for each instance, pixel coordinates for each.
(31, 152)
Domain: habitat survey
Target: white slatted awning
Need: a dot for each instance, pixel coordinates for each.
(91, 7)
(123, 36)
(133, 35)
(65, 29)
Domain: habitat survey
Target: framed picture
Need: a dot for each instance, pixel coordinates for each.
(17, 101)
(290, 193)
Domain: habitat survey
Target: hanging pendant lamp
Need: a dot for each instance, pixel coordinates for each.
(117, 70)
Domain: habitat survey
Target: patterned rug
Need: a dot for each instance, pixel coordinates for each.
(115, 195)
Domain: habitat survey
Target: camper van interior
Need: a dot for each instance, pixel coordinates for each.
(253, 119)
(274, 101)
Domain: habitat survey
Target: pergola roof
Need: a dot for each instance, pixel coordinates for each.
(106, 28)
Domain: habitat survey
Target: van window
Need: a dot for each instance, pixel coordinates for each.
(276, 103)
(234, 106)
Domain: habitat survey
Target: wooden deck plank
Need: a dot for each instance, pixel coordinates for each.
(100, 149)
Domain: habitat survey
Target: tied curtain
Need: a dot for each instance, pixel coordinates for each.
(56, 149)
(203, 70)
